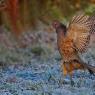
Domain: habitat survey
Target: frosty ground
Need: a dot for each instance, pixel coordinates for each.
(43, 78)
(36, 70)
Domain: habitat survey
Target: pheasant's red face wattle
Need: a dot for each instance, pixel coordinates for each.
(56, 24)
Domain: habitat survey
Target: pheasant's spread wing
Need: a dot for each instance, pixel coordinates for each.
(79, 31)
(92, 20)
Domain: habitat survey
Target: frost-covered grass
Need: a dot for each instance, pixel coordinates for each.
(43, 78)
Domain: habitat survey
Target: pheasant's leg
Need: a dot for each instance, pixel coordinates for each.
(64, 68)
(75, 65)
(72, 82)
(68, 69)
(65, 72)
(70, 72)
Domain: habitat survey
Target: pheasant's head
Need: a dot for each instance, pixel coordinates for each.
(56, 24)
(59, 27)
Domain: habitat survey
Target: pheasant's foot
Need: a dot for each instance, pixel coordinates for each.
(72, 83)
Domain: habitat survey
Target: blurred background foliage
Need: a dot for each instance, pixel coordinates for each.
(21, 15)
(25, 26)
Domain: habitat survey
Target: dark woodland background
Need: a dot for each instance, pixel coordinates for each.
(22, 15)
(27, 24)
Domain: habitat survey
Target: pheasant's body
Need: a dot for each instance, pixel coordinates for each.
(65, 46)
(68, 53)
(74, 40)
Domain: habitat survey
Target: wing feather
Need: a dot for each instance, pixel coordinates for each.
(79, 30)
(92, 19)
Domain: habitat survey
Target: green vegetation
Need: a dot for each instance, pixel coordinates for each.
(37, 50)
(22, 14)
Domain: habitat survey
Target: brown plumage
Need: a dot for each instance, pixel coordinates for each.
(74, 40)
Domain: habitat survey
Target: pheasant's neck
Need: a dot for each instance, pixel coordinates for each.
(60, 40)
(61, 35)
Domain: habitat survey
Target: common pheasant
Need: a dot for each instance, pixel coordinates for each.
(73, 40)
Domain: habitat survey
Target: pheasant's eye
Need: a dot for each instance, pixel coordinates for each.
(56, 24)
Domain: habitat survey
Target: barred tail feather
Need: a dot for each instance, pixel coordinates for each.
(90, 68)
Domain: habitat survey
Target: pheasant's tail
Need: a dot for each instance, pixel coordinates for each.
(90, 68)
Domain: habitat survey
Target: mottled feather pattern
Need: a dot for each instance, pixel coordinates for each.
(92, 20)
(79, 31)
(79, 18)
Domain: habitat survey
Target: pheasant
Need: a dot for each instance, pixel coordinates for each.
(74, 40)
